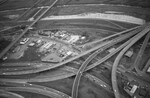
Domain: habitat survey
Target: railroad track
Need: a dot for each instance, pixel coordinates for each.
(29, 12)
(36, 88)
(74, 71)
(26, 29)
(34, 14)
(48, 79)
(35, 70)
(67, 23)
(103, 59)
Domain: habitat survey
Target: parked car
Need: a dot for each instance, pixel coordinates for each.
(25, 40)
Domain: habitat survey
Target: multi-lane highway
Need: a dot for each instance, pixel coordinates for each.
(18, 74)
(26, 29)
(42, 68)
(84, 65)
(8, 94)
(103, 59)
(116, 62)
(34, 89)
(61, 73)
(140, 54)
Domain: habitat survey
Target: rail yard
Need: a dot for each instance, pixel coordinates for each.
(74, 49)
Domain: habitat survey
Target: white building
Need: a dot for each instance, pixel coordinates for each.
(73, 38)
(46, 46)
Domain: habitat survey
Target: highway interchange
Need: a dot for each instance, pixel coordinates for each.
(66, 71)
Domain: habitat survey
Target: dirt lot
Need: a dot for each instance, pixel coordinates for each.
(87, 88)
